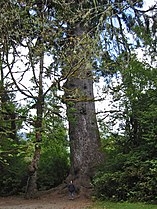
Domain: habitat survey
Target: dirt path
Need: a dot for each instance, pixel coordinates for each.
(49, 201)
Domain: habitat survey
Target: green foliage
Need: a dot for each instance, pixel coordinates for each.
(16, 155)
(13, 175)
(53, 166)
(130, 171)
(54, 160)
(128, 177)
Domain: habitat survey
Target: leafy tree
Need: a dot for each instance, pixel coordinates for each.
(33, 37)
(28, 40)
(130, 172)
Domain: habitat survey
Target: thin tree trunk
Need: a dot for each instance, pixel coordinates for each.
(31, 188)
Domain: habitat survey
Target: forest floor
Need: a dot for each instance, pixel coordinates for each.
(48, 201)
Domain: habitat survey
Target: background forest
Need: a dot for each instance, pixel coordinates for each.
(52, 53)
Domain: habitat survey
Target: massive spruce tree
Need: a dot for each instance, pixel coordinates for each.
(96, 26)
(80, 36)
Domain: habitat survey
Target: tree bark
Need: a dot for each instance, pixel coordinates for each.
(85, 146)
(31, 187)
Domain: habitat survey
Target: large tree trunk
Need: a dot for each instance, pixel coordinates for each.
(83, 132)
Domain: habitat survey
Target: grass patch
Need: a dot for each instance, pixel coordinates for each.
(124, 205)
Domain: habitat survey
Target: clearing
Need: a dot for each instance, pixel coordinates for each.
(47, 201)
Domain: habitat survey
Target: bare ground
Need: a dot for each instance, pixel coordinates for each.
(47, 201)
